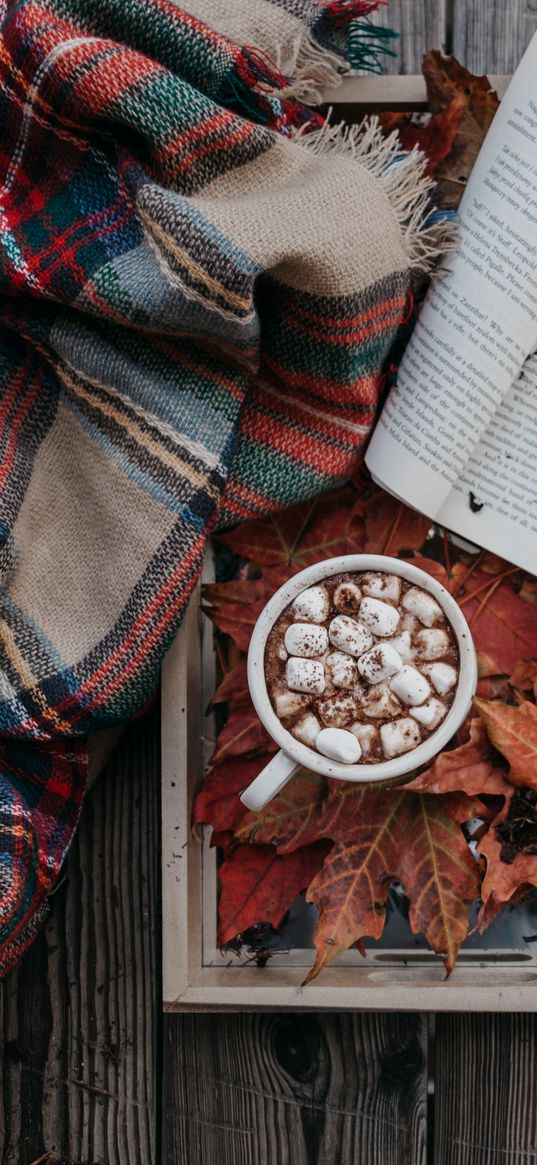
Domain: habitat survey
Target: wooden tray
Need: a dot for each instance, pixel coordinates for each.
(196, 975)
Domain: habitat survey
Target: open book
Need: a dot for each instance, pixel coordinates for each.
(457, 438)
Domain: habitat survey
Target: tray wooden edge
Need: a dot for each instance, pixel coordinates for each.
(493, 984)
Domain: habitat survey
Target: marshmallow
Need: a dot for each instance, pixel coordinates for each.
(432, 643)
(399, 736)
(409, 623)
(339, 745)
(379, 703)
(349, 635)
(307, 730)
(305, 675)
(382, 586)
(306, 639)
(366, 735)
(379, 617)
(312, 605)
(410, 685)
(380, 662)
(337, 711)
(442, 675)
(282, 654)
(429, 714)
(347, 597)
(422, 605)
(288, 703)
(402, 644)
(340, 669)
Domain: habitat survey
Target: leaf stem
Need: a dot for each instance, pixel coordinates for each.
(485, 600)
(470, 571)
(488, 585)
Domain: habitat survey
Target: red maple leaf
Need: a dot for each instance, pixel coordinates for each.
(259, 885)
(292, 539)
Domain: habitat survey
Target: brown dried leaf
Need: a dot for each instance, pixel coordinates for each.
(474, 768)
(449, 84)
(524, 677)
(504, 881)
(513, 731)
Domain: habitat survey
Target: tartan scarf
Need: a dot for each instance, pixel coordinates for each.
(200, 285)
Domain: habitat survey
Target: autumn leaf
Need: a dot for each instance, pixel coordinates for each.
(438, 871)
(234, 607)
(391, 527)
(290, 819)
(528, 591)
(436, 138)
(450, 85)
(513, 731)
(524, 677)
(452, 581)
(474, 768)
(259, 885)
(242, 733)
(292, 539)
(384, 835)
(218, 803)
(504, 881)
(462, 108)
(233, 689)
(491, 563)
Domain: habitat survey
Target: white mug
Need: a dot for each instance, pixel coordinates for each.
(294, 755)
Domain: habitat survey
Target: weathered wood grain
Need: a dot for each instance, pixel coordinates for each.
(485, 1090)
(80, 1016)
(265, 1089)
(422, 25)
(490, 37)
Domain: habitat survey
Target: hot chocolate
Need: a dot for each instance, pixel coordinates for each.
(362, 667)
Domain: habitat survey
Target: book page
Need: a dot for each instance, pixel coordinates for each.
(478, 322)
(494, 501)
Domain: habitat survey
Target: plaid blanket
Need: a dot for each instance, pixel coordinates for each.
(200, 285)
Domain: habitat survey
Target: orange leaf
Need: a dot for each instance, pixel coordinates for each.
(436, 138)
(290, 819)
(451, 86)
(524, 676)
(528, 591)
(259, 885)
(439, 874)
(513, 731)
(474, 769)
(504, 881)
(452, 581)
(382, 835)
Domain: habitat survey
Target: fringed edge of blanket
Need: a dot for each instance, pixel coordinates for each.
(427, 232)
(312, 62)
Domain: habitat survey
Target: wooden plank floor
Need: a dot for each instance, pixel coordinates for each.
(81, 1018)
(93, 1074)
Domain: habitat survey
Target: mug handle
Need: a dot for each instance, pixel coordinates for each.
(269, 782)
